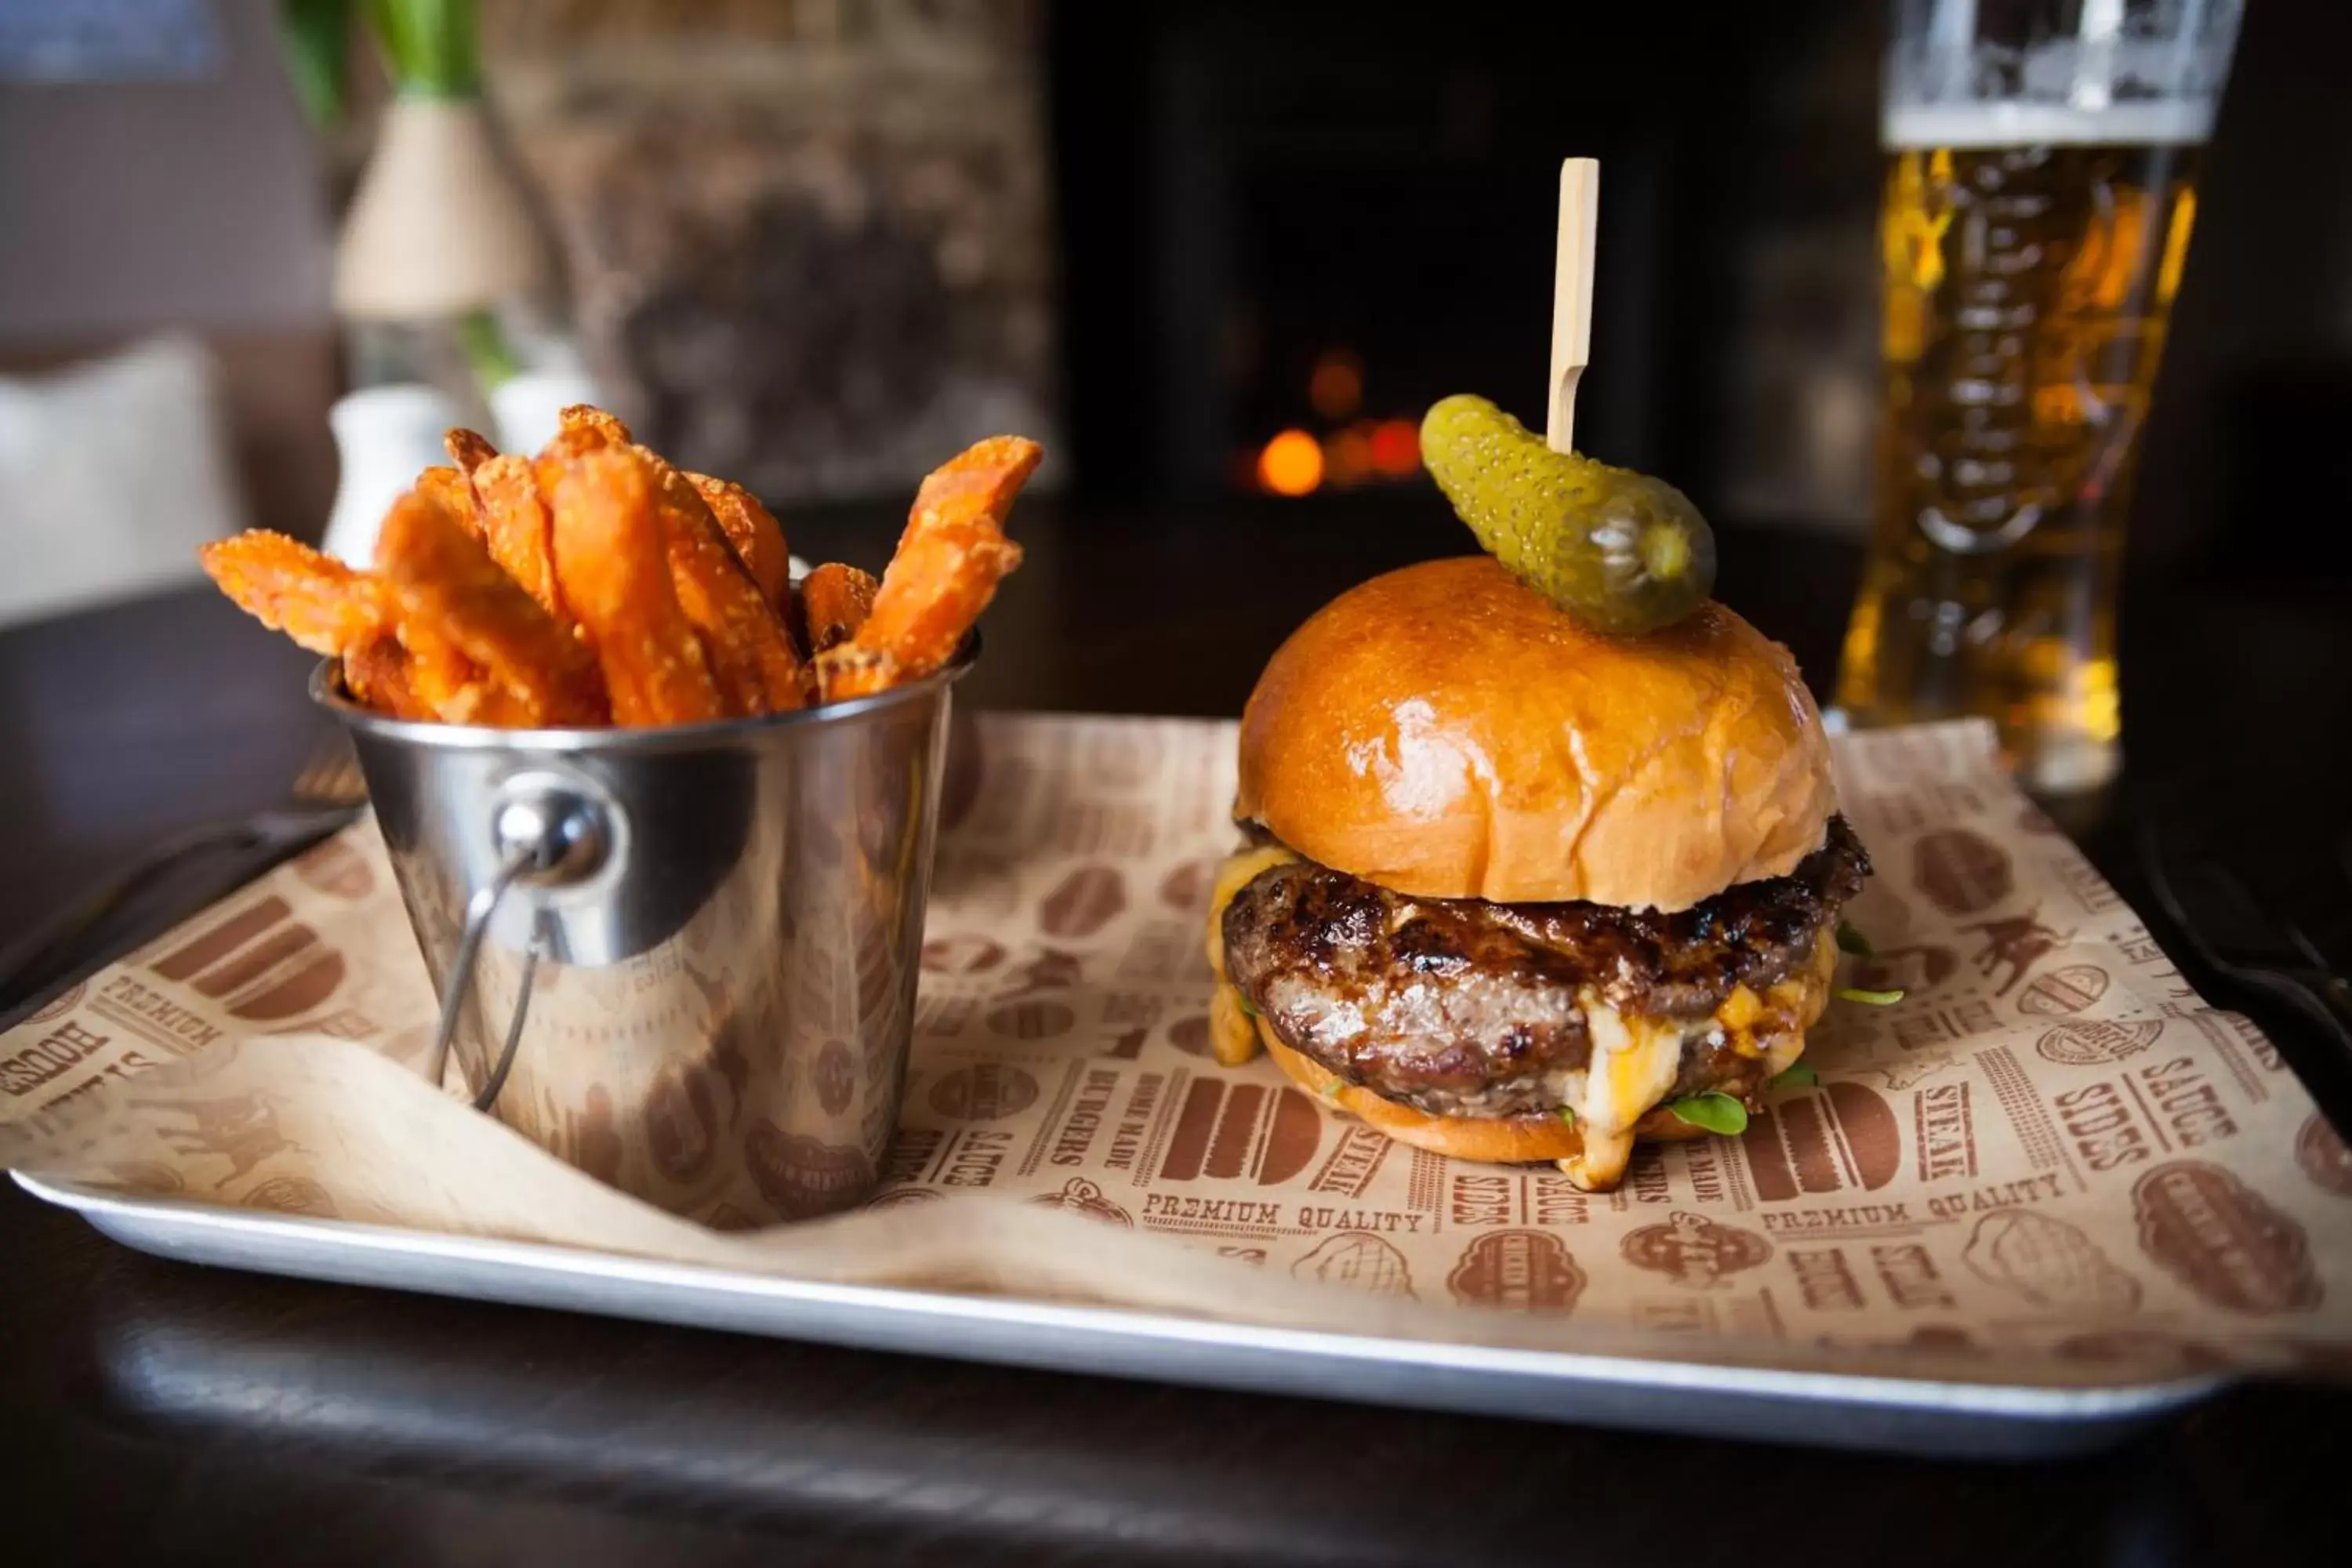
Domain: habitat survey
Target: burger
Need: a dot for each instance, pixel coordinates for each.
(1517, 889)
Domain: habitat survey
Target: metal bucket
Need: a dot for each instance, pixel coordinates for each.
(682, 960)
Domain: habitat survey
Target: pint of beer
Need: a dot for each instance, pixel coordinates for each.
(2040, 188)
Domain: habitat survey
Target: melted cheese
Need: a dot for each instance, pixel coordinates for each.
(1796, 1002)
(1635, 1060)
(1233, 1034)
(1633, 1065)
(1232, 1039)
(1740, 1009)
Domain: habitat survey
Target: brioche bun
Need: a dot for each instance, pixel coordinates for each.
(1448, 732)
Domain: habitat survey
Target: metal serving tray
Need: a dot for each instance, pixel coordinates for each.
(1908, 1414)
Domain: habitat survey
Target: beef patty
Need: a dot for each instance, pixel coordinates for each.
(1461, 1007)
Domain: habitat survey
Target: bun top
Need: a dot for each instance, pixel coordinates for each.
(1447, 732)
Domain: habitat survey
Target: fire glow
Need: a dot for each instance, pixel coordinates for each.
(1353, 453)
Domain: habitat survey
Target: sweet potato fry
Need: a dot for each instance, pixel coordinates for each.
(376, 675)
(315, 599)
(837, 600)
(978, 482)
(594, 583)
(453, 492)
(466, 448)
(615, 575)
(449, 686)
(949, 561)
(572, 442)
(583, 429)
(445, 580)
(753, 534)
(588, 417)
(849, 671)
(751, 654)
(518, 531)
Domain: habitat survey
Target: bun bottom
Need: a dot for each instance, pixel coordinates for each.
(1497, 1140)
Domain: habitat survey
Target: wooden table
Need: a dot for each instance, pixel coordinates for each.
(152, 1411)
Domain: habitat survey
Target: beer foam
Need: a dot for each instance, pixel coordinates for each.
(2157, 122)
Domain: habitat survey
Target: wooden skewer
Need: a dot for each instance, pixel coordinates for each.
(1572, 295)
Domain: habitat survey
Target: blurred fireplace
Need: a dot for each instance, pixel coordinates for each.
(1286, 230)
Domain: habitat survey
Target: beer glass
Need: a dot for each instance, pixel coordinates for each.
(2040, 169)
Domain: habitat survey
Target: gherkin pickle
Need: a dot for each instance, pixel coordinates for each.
(1620, 552)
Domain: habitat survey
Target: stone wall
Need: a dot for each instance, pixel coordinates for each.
(808, 243)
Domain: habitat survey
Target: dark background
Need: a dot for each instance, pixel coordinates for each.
(1239, 186)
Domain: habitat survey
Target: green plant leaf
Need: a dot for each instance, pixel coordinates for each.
(1797, 1076)
(1869, 998)
(486, 350)
(1568, 1115)
(315, 35)
(1850, 940)
(1715, 1111)
(433, 49)
(1248, 1006)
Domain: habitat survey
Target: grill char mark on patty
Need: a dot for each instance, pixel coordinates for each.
(1464, 1008)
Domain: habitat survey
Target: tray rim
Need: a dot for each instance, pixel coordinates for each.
(2110, 1404)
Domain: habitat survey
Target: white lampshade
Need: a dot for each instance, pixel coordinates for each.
(438, 227)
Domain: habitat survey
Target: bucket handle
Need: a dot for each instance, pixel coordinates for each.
(550, 830)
